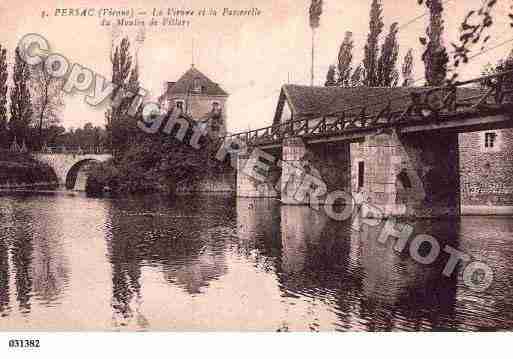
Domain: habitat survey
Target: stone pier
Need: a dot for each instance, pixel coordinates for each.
(310, 172)
(247, 185)
(414, 175)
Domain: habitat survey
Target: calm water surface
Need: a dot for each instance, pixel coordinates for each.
(68, 262)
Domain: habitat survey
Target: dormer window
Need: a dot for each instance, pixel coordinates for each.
(196, 86)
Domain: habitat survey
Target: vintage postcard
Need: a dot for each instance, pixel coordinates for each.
(256, 166)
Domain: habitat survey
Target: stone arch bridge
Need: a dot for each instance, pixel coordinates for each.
(67, 165)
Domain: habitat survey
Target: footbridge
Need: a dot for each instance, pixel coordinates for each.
(397, 147)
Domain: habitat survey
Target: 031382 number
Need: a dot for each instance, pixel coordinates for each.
(24, 343)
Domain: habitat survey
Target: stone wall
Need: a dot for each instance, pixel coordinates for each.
(200, 105)
(249, 187)
(486, 173)
(328, 162)
(224, 183)
(413, 176)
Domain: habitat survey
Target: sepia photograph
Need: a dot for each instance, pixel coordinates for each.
(244, 166)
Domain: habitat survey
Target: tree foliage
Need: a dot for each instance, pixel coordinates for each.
(387, 74)
(379, 63)
(88, 137)
(435, 55)
(345, 58)
(315, 13)
(159, 163)
(358, 76)
(47, 101)
(474, 30)
(331, 77)
(370, 61)
(125, 75)
(21, 108)
(4, 73)
(407, 68)
(504, 65)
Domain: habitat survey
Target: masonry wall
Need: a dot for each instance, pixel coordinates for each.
(224, 183)
(328, 162)
(486, 173)
(413, 176)
(199, 105)
(248, 187)
(357, 157)
(333, 161)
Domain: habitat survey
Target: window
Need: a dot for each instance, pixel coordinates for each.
(180, 104)
(196, 86)
(361, 174)
(216, 107)
(490, 139)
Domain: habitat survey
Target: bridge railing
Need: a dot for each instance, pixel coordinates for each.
(484, 94)
(97, 150)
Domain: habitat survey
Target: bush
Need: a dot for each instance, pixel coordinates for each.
(16, 168)
(156, 164)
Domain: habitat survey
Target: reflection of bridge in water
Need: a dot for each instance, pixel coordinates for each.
(367, 285)
(71, 163)
(250, 265)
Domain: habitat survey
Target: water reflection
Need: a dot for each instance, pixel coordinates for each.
(22, 248)
(401, 294)
(4, 276)
(258, 231)
(69, 262)
(146, 233)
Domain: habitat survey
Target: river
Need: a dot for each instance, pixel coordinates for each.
(68, 262)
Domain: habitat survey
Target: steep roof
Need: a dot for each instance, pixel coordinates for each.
(185, 84)
(307, 101)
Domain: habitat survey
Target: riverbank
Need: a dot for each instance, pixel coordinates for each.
(162, 165)
(21, 171)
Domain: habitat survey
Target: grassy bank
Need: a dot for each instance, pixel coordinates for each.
(21, 170)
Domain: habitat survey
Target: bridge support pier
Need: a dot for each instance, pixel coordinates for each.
(248, 185)
(311, 172)
(292, 171)
(414, 175)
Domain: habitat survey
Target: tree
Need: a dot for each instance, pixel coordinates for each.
(345, 58)
(435, 55)
(4, 72)
(126, 79)
(407, 69)
(315, 18)
(47, 100)
(358, 76)
(54, 135)
(21, 109)
(387, 74)
(473, 30)
(330, 77)
(371, 48)
(505, 65)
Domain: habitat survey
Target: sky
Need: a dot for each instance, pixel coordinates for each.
(251, 57)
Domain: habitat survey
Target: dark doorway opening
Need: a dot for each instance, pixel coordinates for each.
(361, 174)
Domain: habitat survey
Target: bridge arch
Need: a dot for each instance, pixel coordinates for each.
(71, 176)
(67, 165)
